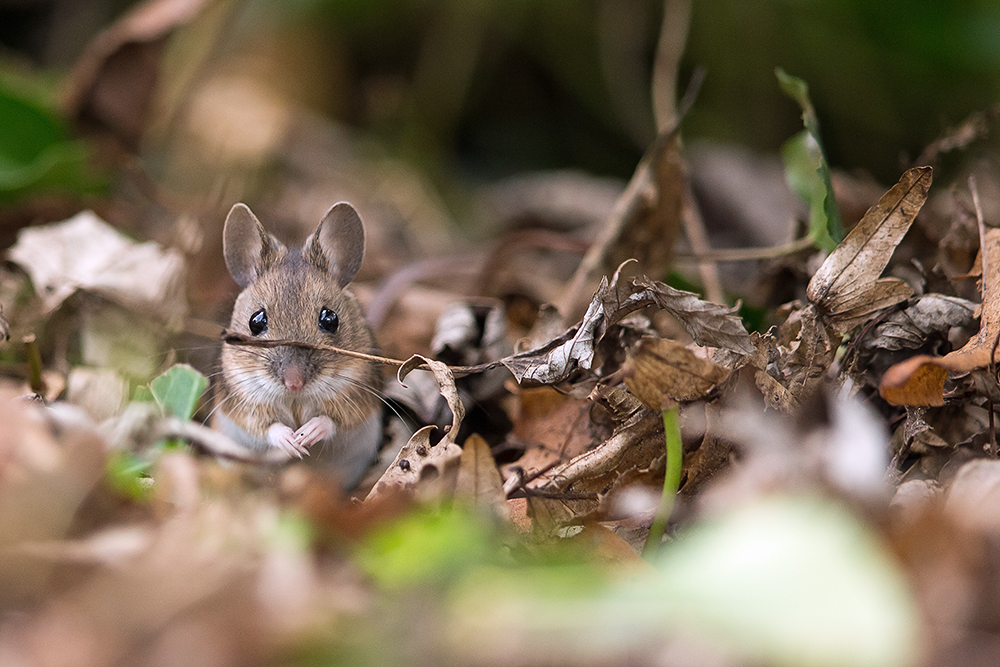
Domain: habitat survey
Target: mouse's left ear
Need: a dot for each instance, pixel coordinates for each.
(338, 244)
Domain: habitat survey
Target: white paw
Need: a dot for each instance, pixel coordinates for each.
(315, 430)
(283, 437)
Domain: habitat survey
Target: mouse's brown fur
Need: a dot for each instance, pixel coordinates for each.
(265, 387)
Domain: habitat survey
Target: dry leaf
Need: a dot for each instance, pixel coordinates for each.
(573, 489)
(479, 480)
(86, 253)
(708, 324)
(920, 380)
(808, 347)
(643, 225)
(846, 288)
(658, 369)
(115, 78)
(553, 426)
(418, 462)
(929, 316)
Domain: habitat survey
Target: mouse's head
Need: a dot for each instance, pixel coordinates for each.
(297, 294)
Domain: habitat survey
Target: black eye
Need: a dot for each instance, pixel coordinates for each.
(328, 320)
(258, 322)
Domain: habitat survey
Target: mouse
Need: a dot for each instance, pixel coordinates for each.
(303, 402)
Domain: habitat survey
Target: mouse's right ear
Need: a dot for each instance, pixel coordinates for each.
(248, 249)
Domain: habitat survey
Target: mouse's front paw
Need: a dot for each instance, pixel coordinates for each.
(315, 430)
(283, 437)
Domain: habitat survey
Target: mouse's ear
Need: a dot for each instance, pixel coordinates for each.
(248, 249)
(338, 244)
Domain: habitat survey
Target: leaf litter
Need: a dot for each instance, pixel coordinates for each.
(815, 522)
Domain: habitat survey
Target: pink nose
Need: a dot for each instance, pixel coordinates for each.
(293, 379)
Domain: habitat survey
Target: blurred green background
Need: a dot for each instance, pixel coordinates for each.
(488, 88)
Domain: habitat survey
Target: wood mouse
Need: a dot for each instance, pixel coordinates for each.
(300, 400)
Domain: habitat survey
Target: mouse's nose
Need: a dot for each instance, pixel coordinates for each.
(293, 378)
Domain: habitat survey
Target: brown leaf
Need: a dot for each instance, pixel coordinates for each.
(555, 427)
(643, 225)
(659, 369)
(920, 380)
(812, 347)
(845, 288)
(479, 480)
(115, 78)
(636, 441)
(776, 395)
(917, 381)
(709, 324)
(932, 315)
(419, 466)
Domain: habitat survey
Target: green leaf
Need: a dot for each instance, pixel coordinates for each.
(426, 547)
(177, 391)
(807, 170)
(37, 153)
(129, 475)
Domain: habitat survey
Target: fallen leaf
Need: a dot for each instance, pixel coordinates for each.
(553, 426)
(86, 253)
(845, 288)
(807, 348)
(661, 370)
(920, 380)
(928, 316)
(115, 78)
(419, 463)
(708, 324)
(573, 489)
(479, 481)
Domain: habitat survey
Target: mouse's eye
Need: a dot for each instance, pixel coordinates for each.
(258, 322)
(328, 320)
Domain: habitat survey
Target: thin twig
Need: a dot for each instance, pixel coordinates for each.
(746, 254)
(241, 339)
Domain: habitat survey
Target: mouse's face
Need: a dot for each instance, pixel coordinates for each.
(296, 295)
(295, 301)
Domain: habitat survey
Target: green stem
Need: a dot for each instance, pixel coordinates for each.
(671, 480)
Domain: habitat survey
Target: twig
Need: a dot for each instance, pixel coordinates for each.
(746, 254)
(669, 49)
(241, 339)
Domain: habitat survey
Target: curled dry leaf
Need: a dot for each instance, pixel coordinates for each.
(846, 288)
(709, 324)
(659, 371)
(920, 380)
(930, 315)
(420, 464)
